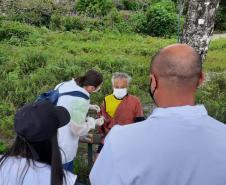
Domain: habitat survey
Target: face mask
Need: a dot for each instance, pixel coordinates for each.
(120, 93)
(152, 93)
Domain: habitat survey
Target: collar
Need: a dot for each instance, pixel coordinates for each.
(185, 111)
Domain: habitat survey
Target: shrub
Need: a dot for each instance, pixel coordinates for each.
(213, 96)
(138, 22)
(36, 12)
(162, 19)
(220, 23)
(32, 62)
(131, 4)
(69, 23)
(94, 8)
(14, 29)
(3, 147)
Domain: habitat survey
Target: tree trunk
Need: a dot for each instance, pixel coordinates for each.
(199, 24)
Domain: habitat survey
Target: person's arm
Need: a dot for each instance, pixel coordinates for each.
(105, 170)
(139, 113)
(104, 128)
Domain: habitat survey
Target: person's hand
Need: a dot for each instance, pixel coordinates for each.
(99, 121)
(94, 107)
(87, 138)
(91, 122)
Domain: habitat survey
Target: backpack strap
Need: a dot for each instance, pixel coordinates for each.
(76, 94)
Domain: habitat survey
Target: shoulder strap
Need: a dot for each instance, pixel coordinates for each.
(60, 86)
(76, 94)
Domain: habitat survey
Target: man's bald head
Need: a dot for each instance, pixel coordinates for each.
(179, 64)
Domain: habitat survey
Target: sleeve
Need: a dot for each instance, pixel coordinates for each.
(104, 128)
(105, 171)
(139, 109)
(77, 108)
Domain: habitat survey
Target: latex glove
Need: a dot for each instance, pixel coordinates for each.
(94, 107)
(90, 122)
(87, 138)
(99, 121)
(84, 128)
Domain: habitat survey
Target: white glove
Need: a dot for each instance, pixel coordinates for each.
(87, 138)
(99, 121)
(90, 122)
(84, 128)
(94, 107)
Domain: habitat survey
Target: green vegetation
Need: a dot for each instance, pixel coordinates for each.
(149, 17)
(33, 60)
(2, 147)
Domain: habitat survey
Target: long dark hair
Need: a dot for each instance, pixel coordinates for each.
(91, 77)
(48, 152)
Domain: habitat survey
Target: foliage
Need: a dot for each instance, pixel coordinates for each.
(36, 12)
(69, 23)
(220, 23)
(213, 96)
(94, 8)
(3, 147)
(162, 19)
(10, 30)
(47, 57)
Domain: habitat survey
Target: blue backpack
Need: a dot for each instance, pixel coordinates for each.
(53, 95)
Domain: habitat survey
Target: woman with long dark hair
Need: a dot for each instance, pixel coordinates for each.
(77, 106)
(34, 158)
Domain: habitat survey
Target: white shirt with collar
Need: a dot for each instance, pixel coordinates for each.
(78, 108)
(174, 146)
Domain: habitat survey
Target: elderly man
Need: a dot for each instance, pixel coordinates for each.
(119, 107)
(178, 144)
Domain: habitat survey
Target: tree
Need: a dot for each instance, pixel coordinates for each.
(199, 24)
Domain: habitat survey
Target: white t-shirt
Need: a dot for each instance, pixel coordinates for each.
(14, 168)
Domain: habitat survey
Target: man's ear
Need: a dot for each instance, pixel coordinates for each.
(153, 81)
(201, 79)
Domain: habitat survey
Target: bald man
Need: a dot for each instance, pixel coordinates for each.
(179, 144)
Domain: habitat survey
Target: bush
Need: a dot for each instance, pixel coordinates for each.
(94, 8)
(134, 5)
(138, 22)
(35, 12)
(213, 96)
(220, 23)
(13, 29)
(32, 62)
(3, 147)
(131, 4)
(68, 23)
(162, 19)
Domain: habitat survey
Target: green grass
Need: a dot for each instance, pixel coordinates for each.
(216, 58)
